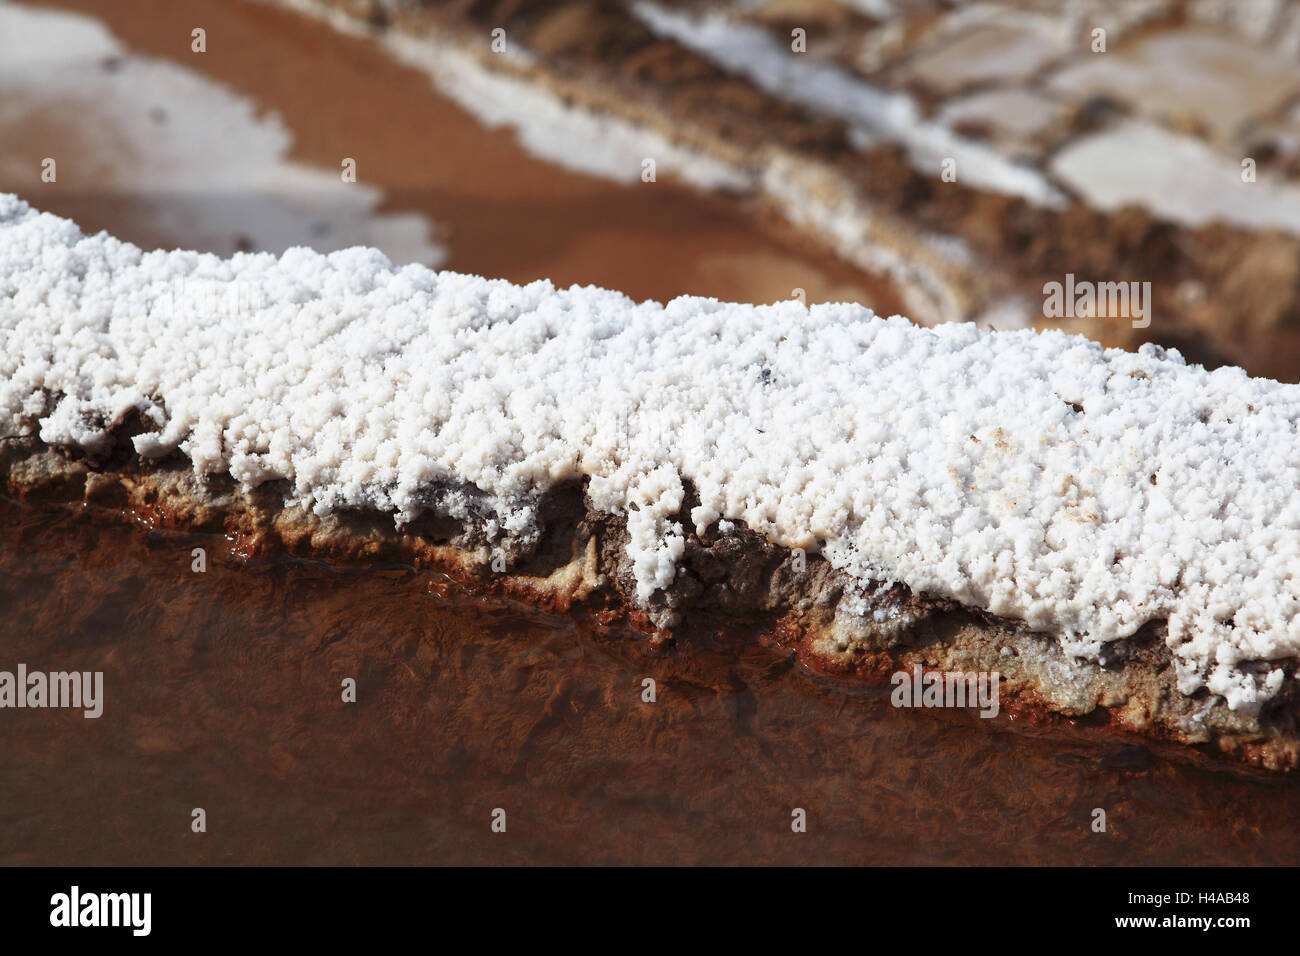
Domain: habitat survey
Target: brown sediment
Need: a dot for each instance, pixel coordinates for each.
(737, 582)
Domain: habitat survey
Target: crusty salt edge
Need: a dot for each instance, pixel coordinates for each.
(1034, 476)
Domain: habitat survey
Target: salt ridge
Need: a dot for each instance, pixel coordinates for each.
(1036, 476)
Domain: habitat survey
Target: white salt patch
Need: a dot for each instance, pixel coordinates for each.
(1221, 80)
(877, 9)
(210, 168)
(41, 39)
(949, 459)
(831, 90)
(1009, 314)
(1178, 178)
(993, 52)
(1018, 112)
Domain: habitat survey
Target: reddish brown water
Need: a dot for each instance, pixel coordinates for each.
(222, 691)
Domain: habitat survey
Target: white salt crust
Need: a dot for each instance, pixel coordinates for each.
(950, 459)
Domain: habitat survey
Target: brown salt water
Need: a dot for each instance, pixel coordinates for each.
(222, 690)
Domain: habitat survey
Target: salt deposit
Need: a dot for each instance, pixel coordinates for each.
(1037, 476)
(1176, 177)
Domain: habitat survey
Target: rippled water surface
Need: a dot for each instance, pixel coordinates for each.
(222, 691)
